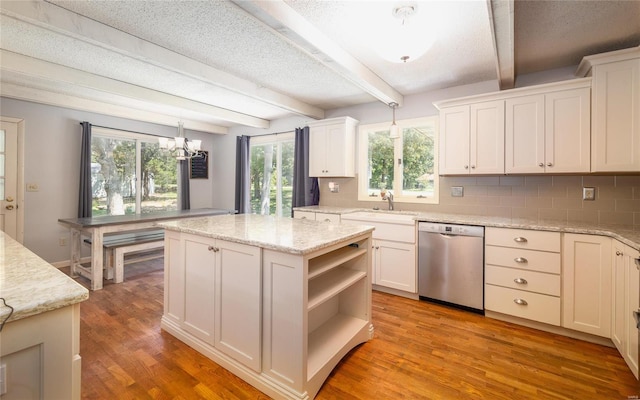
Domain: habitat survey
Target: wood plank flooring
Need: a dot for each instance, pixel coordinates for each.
(420, 351)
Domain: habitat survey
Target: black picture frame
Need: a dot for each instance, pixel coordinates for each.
(199, 166)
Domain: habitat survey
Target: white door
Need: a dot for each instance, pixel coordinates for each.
(9, 178)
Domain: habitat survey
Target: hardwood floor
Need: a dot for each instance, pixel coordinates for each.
(420, 351)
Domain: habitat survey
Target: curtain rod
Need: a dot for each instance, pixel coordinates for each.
(125, 130)
(274, 133)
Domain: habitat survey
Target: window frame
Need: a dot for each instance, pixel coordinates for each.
(138, 138)
(363, 161)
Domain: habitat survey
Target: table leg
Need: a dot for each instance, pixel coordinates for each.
(74, 258)
(96, 259)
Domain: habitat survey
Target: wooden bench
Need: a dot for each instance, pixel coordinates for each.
(117, 246)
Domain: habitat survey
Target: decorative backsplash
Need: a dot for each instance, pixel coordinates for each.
(541, 197)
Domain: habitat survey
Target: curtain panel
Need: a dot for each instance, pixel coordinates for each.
(185, 188)
(243, 178)
(306, 190)
(85, 192)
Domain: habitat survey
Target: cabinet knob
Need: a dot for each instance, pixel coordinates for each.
(520, 302)
(520, 239)
(520, 281)
(466, 167)
(303, 218)
(327, 220)
(9, 207)
(520, 260)
(214, 249)
(473, 167)
(549, 164)
(619, 253)
(541, 165)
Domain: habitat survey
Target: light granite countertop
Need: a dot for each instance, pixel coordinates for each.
(625, 235)
(294, 236)
(31, 285)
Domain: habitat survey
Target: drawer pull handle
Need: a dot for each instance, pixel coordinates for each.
(214, 249)
(520, 302)
(520, 281)
(520, 260)
(520, 239)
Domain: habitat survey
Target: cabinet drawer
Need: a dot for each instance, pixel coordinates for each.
(523, 239)
(530, 281)
(304, 215)
(530, 260)
(538, 307)
(324, 217)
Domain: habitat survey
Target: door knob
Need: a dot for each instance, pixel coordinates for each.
(9, 207)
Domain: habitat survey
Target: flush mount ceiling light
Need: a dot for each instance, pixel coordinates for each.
(405, 38)
(181, 147)
(394, 131)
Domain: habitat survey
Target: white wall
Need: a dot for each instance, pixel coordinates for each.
(52, 159)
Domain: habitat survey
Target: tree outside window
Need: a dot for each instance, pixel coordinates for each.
(117, 160)
(406, 166)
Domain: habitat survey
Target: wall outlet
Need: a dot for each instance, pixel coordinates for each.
(457, 191)
(32, 187)
(62, 241)
(588, 193)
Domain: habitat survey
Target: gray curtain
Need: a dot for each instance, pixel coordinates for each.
(243, 178)
(306, 191)
(185, 192)
(85, 197)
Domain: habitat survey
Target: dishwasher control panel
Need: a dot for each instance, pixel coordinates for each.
(451, 229)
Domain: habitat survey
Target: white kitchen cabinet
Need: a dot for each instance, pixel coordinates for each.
(332, 147)
(615, 115)
(522, 274)
(586, 284)
(394, 265)
(472, 139)
(317, 216)
(214, 293)
(626, 300)
(548, 132)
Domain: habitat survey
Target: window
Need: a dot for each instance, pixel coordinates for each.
(271, 168)
(407, 166)
(118, 159)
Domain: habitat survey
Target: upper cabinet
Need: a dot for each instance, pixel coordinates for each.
(332, 147)
(532, 130)
(472, 139)
(615, 115)
(549, 132)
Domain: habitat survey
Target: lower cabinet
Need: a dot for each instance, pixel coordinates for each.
(214, 293)
(626, 300)
(586, 284)
(394, 265)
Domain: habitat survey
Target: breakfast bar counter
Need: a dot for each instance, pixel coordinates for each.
(276, 301)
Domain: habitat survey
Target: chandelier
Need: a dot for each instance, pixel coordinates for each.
(181, 147)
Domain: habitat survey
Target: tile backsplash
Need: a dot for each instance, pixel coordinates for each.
(541, 197)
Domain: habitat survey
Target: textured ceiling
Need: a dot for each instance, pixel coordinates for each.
(226, 63)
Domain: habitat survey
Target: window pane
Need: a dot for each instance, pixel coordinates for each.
(113, 165)
(380, 156)
(418, 161)
(263, 164)
(159, 179)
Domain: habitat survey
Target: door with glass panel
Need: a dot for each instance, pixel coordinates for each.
(9, 178)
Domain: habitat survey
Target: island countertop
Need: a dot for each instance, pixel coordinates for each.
(294, 236)
(31, 285)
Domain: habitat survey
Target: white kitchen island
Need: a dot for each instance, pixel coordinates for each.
(276, 301)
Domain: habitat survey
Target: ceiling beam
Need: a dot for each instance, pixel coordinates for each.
(501, 18)
(59, 20)
(290, 25)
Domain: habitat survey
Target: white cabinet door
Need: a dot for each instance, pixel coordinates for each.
(238, 295)
(586, 283)
(615, 143)
(332, 148)
(618, 328)
(395, 265)
(632, 349)
(626, 300)
(568, 131)
(486, 147)
(454, 140)
(524, 135)
(199, 277)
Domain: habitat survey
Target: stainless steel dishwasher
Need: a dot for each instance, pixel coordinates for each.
(451, 265)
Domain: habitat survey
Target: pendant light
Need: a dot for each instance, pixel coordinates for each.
(394, 131)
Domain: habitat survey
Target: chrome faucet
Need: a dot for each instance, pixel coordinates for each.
(387, 195)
